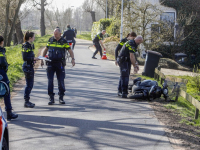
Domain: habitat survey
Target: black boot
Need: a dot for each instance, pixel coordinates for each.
(119, 93)
(124, 95)
(94, 57)
(61, 101)
(28, 104)
(51, 100)
(11, 115)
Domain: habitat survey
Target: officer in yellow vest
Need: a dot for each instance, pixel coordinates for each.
(56, 48)
(125, 59)
(3, 70)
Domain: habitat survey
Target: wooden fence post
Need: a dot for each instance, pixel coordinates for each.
(159, 68)
(162, 80)
(158, 77)
(196, 113)
(177, 92)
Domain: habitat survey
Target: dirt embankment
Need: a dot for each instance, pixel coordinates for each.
(181, 135)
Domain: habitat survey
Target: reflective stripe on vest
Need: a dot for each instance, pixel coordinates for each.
(121, 43)
(26, 50)
(98, 36)
(58, 45)
(130, 47)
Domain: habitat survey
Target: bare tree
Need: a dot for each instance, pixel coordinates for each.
(41, 6)
(50, 15)
(88, 6)
(172, 34)
(138, 17)
(112, 6)
(14, 21)
(6, 21)
(19, 33)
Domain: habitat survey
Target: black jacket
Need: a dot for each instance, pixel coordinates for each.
(27, 52)
(119, 46)
(69, 34)
(3, 61)
(128, 47)
(97, 38)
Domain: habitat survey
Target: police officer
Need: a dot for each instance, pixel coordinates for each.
(125, 59)
(69, 35)
(56, 48)
(3, 70)
(97, 41)
(28, 58)
(122, 42)
(75, 31)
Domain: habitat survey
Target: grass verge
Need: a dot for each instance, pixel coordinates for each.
(184, 108)
(84, 36)
(191, 86)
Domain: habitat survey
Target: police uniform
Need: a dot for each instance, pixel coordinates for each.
(56, 53)
(28, 69)
(3, 70)
(125, 65)
(119, 46)
(96, 43)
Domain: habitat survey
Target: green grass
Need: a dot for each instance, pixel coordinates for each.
(182, 107)
(84, 36)
(14, 58)
(191, 86)
(186, 110)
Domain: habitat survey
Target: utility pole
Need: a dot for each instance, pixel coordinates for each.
(121, 32)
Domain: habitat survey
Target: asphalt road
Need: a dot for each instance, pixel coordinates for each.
(93, 118)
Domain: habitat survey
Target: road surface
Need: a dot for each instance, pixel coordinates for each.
(93, 118)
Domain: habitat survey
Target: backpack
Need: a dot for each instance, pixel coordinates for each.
(4, 88)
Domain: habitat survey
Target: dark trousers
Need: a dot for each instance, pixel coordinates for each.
(60, 73)
(7, 101)
(125, 69)
(98, 48)
(29, 75)
(117, 50)
(74, 43)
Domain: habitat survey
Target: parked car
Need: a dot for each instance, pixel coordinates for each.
(4, 137)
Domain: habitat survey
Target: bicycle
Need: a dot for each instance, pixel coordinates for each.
(67, 57)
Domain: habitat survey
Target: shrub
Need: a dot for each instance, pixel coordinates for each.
(167, 51)
(111, 39)
(114, 28)
(97, 27)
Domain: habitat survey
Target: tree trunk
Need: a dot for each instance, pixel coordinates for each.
(108, 9)
(15, 39)
(42, 21)
(13, 22)
(6, 25)
(19, 32)
(93, 16)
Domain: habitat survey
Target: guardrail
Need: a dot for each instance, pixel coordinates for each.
(159, 75)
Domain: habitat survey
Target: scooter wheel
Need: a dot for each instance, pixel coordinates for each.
(136, 96)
